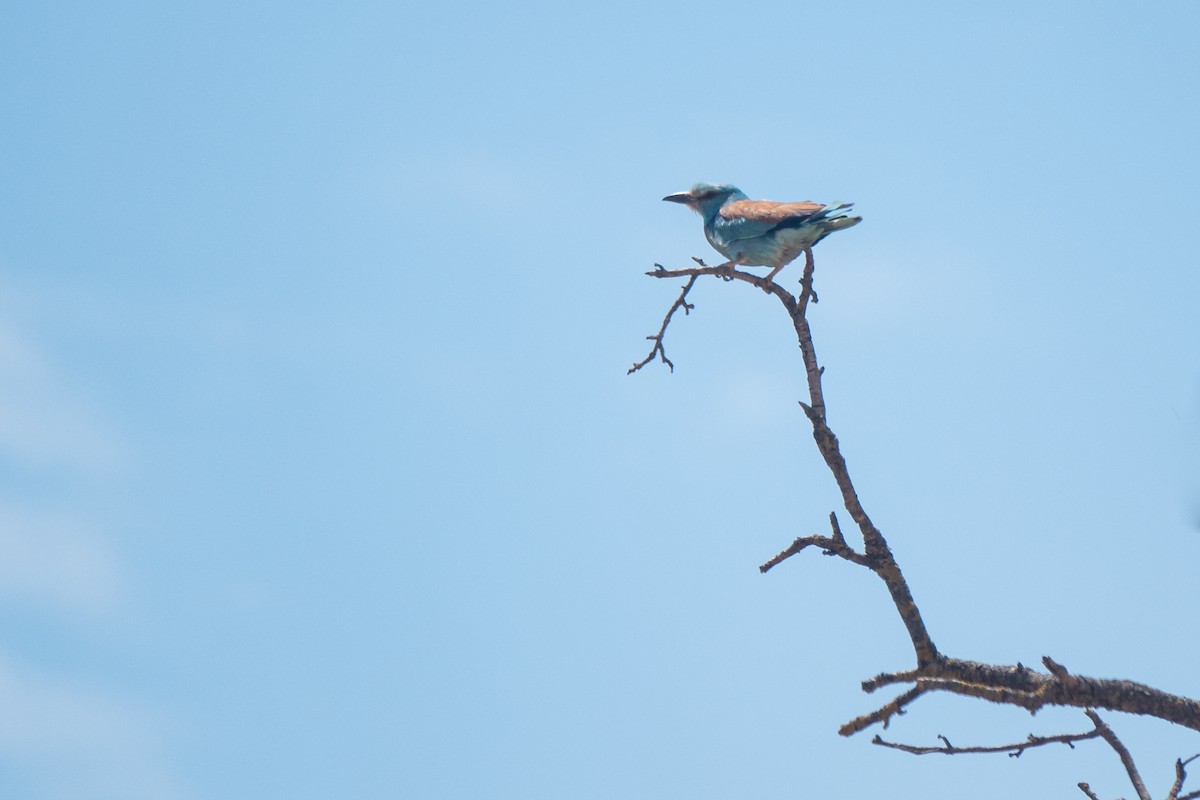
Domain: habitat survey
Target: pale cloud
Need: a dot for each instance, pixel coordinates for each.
(53, 558)
(71, 741)
(53, 555)
(65, 738)
(44, 424)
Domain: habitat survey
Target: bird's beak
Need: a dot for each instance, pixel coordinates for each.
(680, 197)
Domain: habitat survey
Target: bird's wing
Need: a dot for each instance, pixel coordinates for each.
(750, 219)
(769, 212)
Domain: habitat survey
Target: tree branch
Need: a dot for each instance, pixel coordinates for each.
(1032, 690)
(1123, 752)
(830, 545)
(1180, 777)
(680, 302)
(1016, 685)
(1014, 750)
(885, 713)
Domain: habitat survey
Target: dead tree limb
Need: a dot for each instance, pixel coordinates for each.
(1014, 750)
(1015, 685)
(1122, 752)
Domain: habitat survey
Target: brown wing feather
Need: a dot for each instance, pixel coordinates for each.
(768, 210)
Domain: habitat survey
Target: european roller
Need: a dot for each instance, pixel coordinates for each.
(761, 233)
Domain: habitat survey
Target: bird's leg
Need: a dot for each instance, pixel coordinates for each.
(770, 276)
(731, 264)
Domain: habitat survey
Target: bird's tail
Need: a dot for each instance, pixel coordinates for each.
(834, 220)
(831, 219)
(837, 223)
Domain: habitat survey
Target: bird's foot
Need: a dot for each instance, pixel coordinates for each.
(769, 281)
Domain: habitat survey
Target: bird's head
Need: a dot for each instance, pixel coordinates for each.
(705, 197)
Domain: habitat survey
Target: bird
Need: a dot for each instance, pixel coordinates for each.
(761, 233)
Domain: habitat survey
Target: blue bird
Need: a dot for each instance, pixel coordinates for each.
(761, 233)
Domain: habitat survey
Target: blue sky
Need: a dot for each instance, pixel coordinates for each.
(321, 476)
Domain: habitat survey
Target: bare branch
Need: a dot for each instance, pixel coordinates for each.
(1032, 690)
(1002, 695)
(885, 713)
(882, 562)
(798, 310)
(837, 529)
(1015, 685)
(1122, 751)
(830, 546)
(1014, 750)
(1180, 777)
(727, 271)
(889, 678)
(680, 302)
